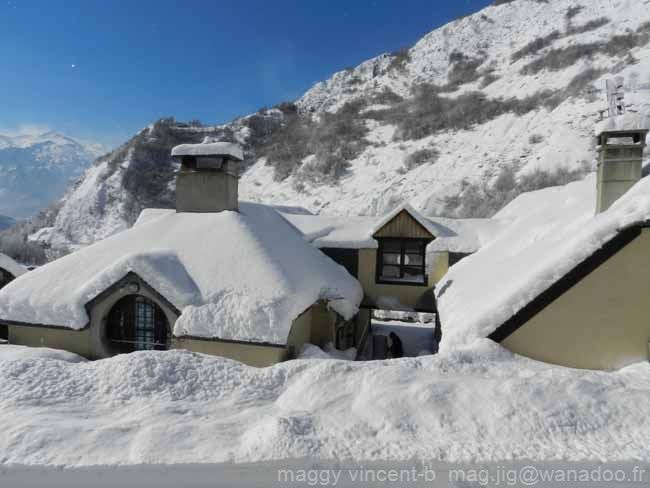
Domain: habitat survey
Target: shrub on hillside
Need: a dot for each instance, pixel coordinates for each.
(335, 139)
(589, 26)
(420, 157)
(536, 45)
(399, 59)
(617, 46)
(14, 243)
(480, 200)
(463, 70)
(573, 11)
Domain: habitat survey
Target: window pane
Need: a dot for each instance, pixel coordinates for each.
(413, 274)
(389, 258)
(391, 246)
(390, 272)
(415, 247)
(414, 259)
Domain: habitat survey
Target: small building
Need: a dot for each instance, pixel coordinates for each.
(397, 258)
(9, 271)
(212, 276)
(574, 290)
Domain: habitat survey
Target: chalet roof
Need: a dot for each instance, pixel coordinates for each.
(11, 266)
(210, 149)
(552, 232)
(233, 275)
(456, 235)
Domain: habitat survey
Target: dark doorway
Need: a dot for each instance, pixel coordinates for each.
(136, 323)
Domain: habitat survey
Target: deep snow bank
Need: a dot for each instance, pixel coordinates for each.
(178, 407)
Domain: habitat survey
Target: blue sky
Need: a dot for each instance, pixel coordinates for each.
(102, 69)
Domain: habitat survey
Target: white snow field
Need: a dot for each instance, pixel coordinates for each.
(482, 404)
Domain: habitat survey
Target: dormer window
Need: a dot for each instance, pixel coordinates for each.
(402, 261)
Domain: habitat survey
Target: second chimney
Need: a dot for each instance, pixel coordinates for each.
(208, 179)
(620, 158)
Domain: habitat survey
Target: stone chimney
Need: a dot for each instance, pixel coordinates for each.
(620, 156)
(207, 180)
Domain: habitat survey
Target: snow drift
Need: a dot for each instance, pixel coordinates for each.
(480, 404)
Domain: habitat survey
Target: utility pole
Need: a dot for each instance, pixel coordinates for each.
(615, 96)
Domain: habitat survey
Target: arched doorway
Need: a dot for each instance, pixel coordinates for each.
(136, 323)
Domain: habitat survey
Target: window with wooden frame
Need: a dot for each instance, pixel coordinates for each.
(402, 261)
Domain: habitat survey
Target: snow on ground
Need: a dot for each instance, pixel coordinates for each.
(417, 337)
(478, 404)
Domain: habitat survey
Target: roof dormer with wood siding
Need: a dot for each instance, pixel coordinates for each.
(395, 273)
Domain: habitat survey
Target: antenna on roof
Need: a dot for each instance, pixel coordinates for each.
(615, 96)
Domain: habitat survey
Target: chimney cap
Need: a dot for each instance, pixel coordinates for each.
(230, 150)
(627, 122)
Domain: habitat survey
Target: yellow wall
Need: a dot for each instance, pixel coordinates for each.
(439, 265)
(602, 322)
(300, 332)
(76, 341)
(323, 321)
(251, 354)
(85, 343)
(408, 295)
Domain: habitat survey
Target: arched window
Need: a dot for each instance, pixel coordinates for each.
(135, 323)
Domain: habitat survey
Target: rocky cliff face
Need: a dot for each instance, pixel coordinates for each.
(483, 108)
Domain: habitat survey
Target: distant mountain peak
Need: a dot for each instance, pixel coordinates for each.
(36, 168)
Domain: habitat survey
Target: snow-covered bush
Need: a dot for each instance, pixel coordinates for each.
(463, 70)
(589, 26)
(420, 157)
(561, 58)
(536, 45)
(573, 11)
(334, 140)
(13, 244)
(399, 59)
(486, 199)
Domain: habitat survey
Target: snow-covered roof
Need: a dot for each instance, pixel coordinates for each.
(335, 231)
(233, 275)
(455, 235)
(11, 266)
(552, 231)
(625, 122)
(411, 211)
(230, 149)
(462, 235)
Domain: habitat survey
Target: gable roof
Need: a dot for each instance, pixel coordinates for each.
(553, 242)
(456, 235)
(386, 219)
(233, 275)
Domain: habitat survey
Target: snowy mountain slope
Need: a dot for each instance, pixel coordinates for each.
(35, 169)
(514, 89)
